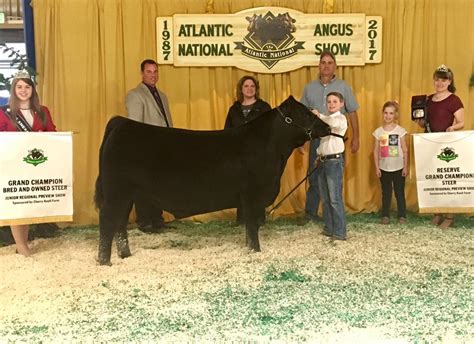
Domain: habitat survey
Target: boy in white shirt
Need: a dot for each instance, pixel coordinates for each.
(331, 168)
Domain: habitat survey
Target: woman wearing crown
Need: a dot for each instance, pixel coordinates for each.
(445, 113)
(24, 113)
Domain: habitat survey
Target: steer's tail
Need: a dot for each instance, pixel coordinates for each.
(99, 190)
(99, 193)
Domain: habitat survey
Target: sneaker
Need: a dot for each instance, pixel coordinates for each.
(437, 220)
(326, 234)
(385, 220)
(448, 222)
(304, 220)
(402, 221)
(335, 237)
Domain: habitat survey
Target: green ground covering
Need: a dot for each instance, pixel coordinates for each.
(394, 284)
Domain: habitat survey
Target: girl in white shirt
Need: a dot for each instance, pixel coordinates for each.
(391, 161)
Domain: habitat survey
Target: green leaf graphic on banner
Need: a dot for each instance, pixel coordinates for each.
(447, 154)
(35, 157)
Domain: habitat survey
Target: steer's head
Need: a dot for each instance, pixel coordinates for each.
(298, 116)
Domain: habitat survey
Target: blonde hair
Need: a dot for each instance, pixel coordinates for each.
(391, 103)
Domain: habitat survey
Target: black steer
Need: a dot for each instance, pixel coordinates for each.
(189, 172)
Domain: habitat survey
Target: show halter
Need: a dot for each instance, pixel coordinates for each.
(308, 131)
(289, 120)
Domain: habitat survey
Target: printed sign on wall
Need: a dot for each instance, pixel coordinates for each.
(268, 39)
(445, 172)
(36, 178)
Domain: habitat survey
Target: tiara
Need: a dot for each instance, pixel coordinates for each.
(442, 68)
(22, 74)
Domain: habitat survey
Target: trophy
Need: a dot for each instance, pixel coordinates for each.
(419, 111)
(418, 107)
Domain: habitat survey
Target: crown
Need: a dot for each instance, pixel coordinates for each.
(442, 68)
(22, 74)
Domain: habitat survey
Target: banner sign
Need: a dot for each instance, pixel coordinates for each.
(268, 39)
(445, 172)
(36, 177)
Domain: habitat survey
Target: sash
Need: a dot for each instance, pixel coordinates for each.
(21, 123)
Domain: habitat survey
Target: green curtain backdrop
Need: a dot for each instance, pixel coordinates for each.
(89, 52)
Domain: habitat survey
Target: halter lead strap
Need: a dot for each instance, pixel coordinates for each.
(340, 136)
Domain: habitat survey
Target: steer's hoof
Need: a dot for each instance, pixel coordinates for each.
(254, 248)
(124, 253)
(103, 261)
(149, 229)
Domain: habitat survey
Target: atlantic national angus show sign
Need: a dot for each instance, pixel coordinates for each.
(445, 172)
(268, 39)
(36, 177)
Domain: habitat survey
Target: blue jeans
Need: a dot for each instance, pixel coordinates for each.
(312, 195)
(330, 176)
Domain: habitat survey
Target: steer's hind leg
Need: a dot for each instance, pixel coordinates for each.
(106, 235)
(121, 238)
(113, 219)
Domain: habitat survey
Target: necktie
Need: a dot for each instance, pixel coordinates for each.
(157, 97)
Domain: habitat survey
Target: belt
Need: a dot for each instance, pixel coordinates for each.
(329, 156)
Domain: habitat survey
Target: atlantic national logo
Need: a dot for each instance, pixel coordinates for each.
(35, 157)
(270, 38)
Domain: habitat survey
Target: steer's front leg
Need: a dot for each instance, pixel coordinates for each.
(253, 215)
(251, 228)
